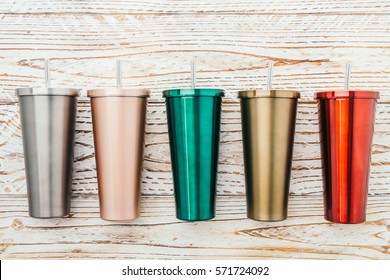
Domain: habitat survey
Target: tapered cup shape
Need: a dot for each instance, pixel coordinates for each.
(194, 117)
(346, 120)
(118, 118)
(268, 126)
(48, 119)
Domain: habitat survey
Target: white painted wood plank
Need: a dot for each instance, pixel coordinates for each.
(232, 42)
(194, 6)
(159, 235)
(232, 51)
(157, 178)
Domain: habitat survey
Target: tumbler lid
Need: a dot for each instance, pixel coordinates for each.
(192, 92)
(359, 94)
(118, 92)
(47, 91)
(263, 93)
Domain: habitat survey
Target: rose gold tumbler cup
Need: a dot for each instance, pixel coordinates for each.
(118, 118)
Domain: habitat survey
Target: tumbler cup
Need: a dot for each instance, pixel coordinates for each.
(48, 119)
(118, 118)
(194, 117)
(268, 127)
(346, 120)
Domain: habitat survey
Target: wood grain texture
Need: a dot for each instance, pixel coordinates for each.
(232, 51)
(159, 235)
(194, 6)
(232, 41)
(157, 178)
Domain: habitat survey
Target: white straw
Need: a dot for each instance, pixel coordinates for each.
(347, 75)
(118, 74)
(270, 75)
(47, 73)
(193, 77)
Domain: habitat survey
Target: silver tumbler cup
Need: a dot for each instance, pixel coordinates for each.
(48, 118)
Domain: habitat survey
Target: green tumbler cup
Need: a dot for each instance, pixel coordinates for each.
(194, 117)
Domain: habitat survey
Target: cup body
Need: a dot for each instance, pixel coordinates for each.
(118, 118)
(346, 120)
(194, 117)
(268, 126)
(48, 119)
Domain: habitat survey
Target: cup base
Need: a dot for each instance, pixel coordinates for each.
(268, 219)
(121, 220)
(344, 222)
(49, 217)
(195, 220)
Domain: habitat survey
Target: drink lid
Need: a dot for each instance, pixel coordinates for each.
(359, 94)
(263, 93)
(118, 92)
(192, 92)
(47, 91)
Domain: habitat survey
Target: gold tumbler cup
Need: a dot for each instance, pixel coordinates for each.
(268, 127)
(118, 118)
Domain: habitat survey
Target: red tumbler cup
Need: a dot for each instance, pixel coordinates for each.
(346, 121)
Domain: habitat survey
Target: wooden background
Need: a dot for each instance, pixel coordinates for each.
(232, 41)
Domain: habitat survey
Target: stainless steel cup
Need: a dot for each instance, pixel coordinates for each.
(48, 118)
(268, 128)
(119, 118)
